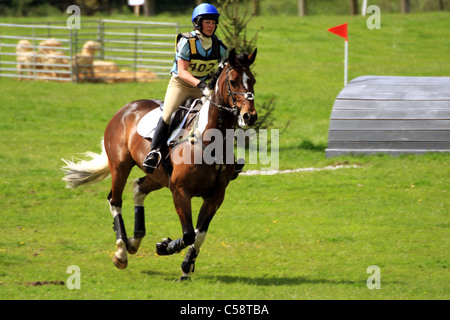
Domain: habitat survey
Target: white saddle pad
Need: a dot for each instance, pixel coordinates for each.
(146, 126)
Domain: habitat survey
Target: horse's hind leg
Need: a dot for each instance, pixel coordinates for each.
(141, 188)
(119, 177)
(139, 217)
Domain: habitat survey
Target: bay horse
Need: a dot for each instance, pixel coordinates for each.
(231, 102)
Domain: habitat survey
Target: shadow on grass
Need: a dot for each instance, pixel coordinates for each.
(263, 281)
(277, 281)
(306, 144)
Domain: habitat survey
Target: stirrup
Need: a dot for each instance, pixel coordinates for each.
(150, 166)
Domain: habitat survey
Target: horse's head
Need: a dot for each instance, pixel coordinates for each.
(237, 83)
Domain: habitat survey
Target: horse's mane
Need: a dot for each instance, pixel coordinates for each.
(242, 58)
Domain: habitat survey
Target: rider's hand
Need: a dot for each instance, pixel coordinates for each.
(202, 85)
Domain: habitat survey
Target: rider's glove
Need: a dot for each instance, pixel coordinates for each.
(202, 85)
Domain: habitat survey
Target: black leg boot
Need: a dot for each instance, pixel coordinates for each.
(238, 168)
(159, 138)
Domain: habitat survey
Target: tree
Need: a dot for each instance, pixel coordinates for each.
(233, 24)
(234, 27)
(149, 8)
(353, 7)
(302, 8)
(405, 6)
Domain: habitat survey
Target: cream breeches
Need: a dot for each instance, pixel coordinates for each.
(178, 91)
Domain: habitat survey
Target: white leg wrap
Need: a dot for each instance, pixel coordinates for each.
(138, 196)
(199, 239)
(188, 268)
(114, 210)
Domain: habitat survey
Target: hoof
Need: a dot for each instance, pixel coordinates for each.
(120, 256)
(161, 247)
(132, 250)
(120, 264)
(183, 279)
(134, 245)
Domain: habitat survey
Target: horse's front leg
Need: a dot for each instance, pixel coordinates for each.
(207, 212)
(183, 207)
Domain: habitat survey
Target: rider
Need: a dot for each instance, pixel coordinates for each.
(197, 55)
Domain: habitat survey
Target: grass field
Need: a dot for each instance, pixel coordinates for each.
(306, 235)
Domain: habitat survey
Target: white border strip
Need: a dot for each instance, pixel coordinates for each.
(273, 172)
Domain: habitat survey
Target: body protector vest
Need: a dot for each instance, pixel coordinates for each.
(199, 65)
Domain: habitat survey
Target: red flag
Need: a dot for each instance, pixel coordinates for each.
(340, 30)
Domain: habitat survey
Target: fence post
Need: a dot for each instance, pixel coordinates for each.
(0, 53)
(101, 37)
(33, 33)
(75, 41)
(135, 52)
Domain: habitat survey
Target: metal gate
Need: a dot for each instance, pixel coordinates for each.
(101, 51)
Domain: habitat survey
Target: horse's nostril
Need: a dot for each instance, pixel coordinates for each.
(249, 118)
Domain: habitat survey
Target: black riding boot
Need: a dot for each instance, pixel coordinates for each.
(159, 138)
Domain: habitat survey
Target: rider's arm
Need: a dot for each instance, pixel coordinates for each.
(184, 74)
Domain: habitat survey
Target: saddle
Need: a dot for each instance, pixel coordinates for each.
(180, 118)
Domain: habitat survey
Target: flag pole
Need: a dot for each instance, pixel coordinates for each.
(346, 62)
(341, 31)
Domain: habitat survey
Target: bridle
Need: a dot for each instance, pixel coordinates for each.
(247, 95)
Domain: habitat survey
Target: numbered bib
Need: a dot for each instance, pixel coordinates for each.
(200, 68)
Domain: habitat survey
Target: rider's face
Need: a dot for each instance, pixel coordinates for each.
(208, 27)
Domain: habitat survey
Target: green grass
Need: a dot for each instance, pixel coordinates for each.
(307, 235)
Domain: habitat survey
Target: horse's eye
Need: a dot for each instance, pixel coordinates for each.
(233, 83)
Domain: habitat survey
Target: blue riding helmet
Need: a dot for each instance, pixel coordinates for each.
(204, 11)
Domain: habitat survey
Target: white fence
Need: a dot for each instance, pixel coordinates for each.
(101, 51)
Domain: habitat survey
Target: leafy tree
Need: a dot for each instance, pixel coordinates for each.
(233, 24)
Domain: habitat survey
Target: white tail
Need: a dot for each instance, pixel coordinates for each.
(86, 172)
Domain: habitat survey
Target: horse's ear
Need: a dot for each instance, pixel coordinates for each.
(232, 57)
(252, 57)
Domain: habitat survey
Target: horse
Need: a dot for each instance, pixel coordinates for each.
(231, 103)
